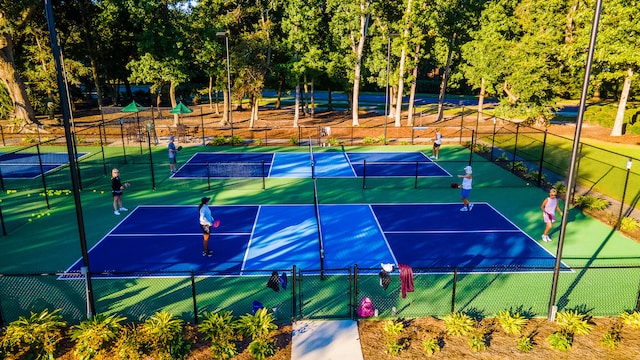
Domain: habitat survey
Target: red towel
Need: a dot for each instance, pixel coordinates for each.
(406, 279)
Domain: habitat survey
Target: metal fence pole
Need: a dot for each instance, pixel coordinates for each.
(624, 192)
(453, 292)
(515, 149)
(44, 182)
(544, 143)
(153, 178)
(294, 279)
(193, 297)
(354, 301)
(124, 150)
(493, 139)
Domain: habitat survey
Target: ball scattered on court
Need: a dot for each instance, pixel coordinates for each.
(527, 184)
(94, 190)
(32, 214)
(30, 220)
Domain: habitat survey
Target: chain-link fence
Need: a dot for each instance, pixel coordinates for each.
(334, 293)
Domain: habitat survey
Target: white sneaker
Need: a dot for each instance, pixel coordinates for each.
(464, 208)
(117, 212)
(433, 157)
(548, 238)
(123, 209)
(470, 207)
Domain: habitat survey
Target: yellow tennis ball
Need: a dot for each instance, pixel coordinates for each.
(101, 192)
(94, 190)
(30, 220)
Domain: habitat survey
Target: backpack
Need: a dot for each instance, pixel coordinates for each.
(366, 308)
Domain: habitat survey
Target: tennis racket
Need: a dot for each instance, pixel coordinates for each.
(179, 147)
(126, 185)
(216, 223)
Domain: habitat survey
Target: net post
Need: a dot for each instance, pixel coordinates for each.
(364, 174)
(44, 182)
(208, 177)
(263, 176)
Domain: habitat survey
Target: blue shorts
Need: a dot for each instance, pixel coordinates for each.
(465, 193)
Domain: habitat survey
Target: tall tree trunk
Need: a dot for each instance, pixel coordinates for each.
(624, 96)
(481, 99)
(279, 98)
(364, 25)
(403, 57)
(225, 108)
(210, 93)
(445, 78)
(22, 108)
(296, 111)
(414, 84)
(174, 103)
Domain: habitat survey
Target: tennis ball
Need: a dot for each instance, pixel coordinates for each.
(101, 192)
(94, 190)
(28, 195)
(527, 184)
(30, 220)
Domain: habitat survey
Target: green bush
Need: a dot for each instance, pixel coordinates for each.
(236, 140)
(93, 335)
(511, 324)
(574, 322)
(393, 330)
(218, 141)
(631, 319)
(258, 327)
(591, 203)
(219, 328)
(36, 336)
(629, 224)
(163, 337)
(560, 340)
(130, 343)
(611, 338)
(458, 324)
(525, 343)
(431, 345)
(293, 141)
(478, 341)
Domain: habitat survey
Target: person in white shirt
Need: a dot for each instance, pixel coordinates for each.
(206, 221)
(437, 141)
(549, 207)
(467, 179)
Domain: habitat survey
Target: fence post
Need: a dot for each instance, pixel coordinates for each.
(75, 156)
(100, 129)
(293, 294)
(544, 143)
(354, 298)
(624, 192)
(364, 174)
(473, 145)
(493, 139)
(515, 149)
(415, 184)
(44, 182)
(453, 293)
(153, 177)
(193, 296)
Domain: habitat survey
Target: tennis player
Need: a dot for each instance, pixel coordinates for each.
(549, 207)
(437, 141)
(466, 188)
(206, 220)
(117, 188)
(173, 154)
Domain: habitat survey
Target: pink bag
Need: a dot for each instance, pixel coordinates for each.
(366, 308)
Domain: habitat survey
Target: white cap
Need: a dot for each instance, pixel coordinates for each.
(467, 169)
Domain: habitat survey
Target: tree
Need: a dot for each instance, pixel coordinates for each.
(616, 55)
(14, 16)
(349, 27)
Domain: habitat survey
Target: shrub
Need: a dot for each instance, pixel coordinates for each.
(631, 319)
(478, 341)
(629, 224)
(458, 324)
(533, 176)
(218, 141)
(293, 140)
(560, 187)
(333, 141)
(220, 329)
(431, 345)
(236, 140)
(35, 337)
(525, 343)
(611, 338)
(393, 330)
(591, 203)
(163, 336)
(573, 322)
(258, 327)
(130, 344)
(92, 335)
(560, 340)
(511, 324)
(519, 166)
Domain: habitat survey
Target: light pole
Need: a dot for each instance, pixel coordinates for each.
(386, 91)
(226, 39)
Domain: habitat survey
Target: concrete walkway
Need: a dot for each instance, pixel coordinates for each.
(326, 340)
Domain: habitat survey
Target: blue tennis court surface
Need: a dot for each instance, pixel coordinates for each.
(298, 165)
(27, 165)
(270, 237)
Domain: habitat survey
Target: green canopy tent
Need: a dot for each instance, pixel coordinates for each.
(181, 109)
(134, 107)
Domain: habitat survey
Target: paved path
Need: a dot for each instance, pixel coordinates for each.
(326, 340)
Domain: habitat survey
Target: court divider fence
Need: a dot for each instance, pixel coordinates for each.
(334, 294)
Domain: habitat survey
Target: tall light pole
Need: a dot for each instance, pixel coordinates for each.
(386, 91)
(226, 39)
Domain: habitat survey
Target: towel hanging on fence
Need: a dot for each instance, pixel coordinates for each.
(273, 282)
(406, 279)
(385, 279)
(283, 280)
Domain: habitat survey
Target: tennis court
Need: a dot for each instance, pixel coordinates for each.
(306, 165)
(155, 239)
(28, 165)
